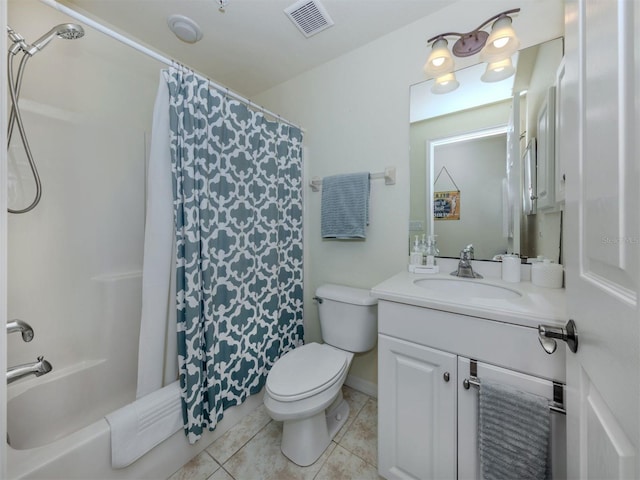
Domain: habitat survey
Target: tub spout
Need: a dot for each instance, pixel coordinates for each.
(23, 327)
(36, 368)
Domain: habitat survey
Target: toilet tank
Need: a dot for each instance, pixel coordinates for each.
(348, 317)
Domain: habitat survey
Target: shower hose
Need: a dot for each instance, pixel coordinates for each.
(15, 118)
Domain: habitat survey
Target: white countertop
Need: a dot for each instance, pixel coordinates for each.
(536, 305)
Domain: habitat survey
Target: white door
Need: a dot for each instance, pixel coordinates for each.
(600, 149)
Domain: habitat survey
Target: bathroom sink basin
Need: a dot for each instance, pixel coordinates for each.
(466, 288)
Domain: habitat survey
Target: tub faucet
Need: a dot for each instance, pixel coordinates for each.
(465, 269)
(23, 327)
(36, 368)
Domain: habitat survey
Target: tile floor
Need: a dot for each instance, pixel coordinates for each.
(251, 449)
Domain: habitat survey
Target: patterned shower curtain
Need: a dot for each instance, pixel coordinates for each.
(238, 215)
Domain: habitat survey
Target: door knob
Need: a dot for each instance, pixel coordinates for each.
(547, 336)
(446, 376)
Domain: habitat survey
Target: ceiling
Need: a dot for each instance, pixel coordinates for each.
(254, 46)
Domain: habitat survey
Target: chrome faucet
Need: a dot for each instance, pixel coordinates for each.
(23, 327)
(36, 368)
(465, 269)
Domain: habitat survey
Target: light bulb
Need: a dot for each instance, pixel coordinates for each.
(501, 42)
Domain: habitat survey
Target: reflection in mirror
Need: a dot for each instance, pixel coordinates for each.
(465, 132)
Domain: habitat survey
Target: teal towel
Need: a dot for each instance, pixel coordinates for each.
(513, 433)
(345, 206)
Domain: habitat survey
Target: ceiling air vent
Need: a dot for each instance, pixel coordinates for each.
(309, 16)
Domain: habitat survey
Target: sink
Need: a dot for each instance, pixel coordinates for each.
(466, 288)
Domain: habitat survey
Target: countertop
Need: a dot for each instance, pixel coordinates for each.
(536, 305)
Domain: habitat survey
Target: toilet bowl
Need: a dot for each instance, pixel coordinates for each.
(304, 386)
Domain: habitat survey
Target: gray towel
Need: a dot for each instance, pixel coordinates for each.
(513, 433)
(345, 206)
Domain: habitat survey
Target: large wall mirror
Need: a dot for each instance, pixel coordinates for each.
(473, 150)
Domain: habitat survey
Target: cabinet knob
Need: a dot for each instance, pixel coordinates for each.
(446, 376)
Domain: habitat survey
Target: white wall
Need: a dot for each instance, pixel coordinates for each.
(87, 106)
(356, 113)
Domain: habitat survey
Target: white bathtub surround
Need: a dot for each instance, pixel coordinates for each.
(143, 424)
(157, 353)
(85, 454)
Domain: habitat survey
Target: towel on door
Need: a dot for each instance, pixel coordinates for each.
(345, 206)
(513, 433)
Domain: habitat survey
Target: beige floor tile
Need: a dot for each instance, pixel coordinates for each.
(237, 436)
(356, 401)
(220, 474)
(362, 437)
(199, 468)
(261, 458)
(343, 465)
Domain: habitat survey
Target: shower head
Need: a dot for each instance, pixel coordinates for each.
(67, 31)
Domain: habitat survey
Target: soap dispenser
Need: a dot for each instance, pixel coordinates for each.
(431, 251)
(416, 253)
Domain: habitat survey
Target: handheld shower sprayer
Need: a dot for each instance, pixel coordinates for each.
(68, 31)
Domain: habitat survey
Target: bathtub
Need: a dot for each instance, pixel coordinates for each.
(57, 430)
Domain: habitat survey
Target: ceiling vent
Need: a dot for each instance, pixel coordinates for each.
(309, 16)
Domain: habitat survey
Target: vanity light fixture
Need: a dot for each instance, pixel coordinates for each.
(445, 83)
(499, 70)
(494, 48)
(440, 61)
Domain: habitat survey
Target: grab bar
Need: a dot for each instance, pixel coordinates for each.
(557, 405)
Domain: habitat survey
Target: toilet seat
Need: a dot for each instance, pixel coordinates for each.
(306, 371)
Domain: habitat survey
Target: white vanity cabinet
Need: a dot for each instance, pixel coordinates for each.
(427, 420)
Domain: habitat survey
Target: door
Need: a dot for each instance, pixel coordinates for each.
(417, 405)
(600, 109)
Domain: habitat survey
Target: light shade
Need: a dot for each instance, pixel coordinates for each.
(502, 41)
(440, 60)
(445, 84)
(499, 70)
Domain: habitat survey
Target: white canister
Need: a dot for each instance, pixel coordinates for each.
(547, 274)
(511, 268)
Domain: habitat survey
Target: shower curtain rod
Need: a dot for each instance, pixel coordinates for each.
(155, 55)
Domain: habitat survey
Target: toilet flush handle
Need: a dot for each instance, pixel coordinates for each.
(317, 299)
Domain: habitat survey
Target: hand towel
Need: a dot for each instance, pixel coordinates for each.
(513, 430)
(345, 206)
(138, 427)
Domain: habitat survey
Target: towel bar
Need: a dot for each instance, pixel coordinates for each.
(554, 406)
(389, 176)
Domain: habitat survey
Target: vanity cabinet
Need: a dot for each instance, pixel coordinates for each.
(427, 420)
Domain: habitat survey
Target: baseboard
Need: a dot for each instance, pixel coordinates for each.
(364, 386)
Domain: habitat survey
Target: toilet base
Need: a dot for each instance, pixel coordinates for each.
(305, 440)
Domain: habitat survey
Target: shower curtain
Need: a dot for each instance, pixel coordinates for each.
(237, 200)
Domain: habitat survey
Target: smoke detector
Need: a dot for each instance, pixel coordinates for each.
(309, 16)
(184, 28)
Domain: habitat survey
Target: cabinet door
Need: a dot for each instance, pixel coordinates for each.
(416, 404)
(468, 456)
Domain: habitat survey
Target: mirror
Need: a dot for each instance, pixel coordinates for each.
(460, 169)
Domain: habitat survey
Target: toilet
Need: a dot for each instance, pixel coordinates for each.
(304, 386)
